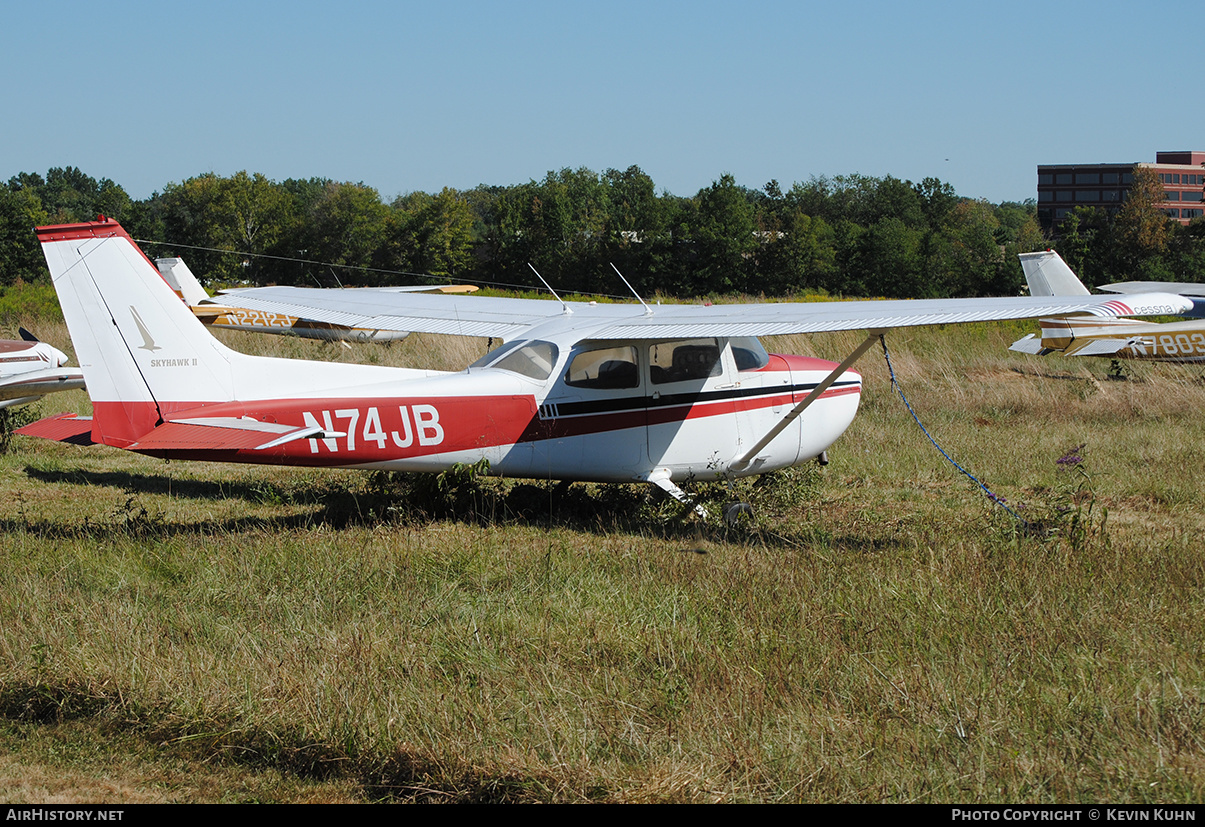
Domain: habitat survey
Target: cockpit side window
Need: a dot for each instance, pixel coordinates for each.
(534, 359)
(684, 360)
(609, 368)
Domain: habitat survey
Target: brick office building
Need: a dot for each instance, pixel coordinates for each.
(1063, 187)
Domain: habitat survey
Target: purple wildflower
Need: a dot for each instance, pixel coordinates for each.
(1072, 458)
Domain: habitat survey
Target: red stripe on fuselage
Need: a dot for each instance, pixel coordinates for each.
(383, 429)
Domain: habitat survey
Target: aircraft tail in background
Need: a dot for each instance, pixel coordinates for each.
(1048, 275)
(177, 275)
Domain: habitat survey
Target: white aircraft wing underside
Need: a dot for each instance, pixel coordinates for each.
(510, 318)
(40, 382)
(1181, 289)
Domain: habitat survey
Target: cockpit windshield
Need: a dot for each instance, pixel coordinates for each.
(748, 353)
(533, 359)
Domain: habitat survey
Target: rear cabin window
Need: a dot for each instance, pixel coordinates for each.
(609, 368)
(683, 361)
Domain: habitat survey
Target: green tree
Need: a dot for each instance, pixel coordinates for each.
(196, 216)
(802, 256)
(68, 195)
(20, 256)
(636, 238)
(432, 234)
(1143, 229)
(889, 261)
(345, 228)
(973, 262)
(723, 234)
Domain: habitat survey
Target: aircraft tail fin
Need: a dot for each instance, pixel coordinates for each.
(1048, 275)
(145, 355)
(143, 352)
(177, 275)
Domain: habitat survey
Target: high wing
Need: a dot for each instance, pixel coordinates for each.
(1180, 289)
(508, 318)
(230, 315)
(1196, 292)
(33, 385)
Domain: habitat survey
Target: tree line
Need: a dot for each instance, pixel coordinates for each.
(850, 235)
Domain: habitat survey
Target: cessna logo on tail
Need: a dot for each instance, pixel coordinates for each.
(148, 342)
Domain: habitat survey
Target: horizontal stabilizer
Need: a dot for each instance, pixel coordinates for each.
(1030, 344)
(66, 427)
(1103, 347)
(226, 433)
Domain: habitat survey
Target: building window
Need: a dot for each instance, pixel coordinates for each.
(1063, 178)
(1045, 179)
(1045, 195)
(1191, 196)
(1087, 195)
(1109, 178)
(1062, 195)
(1171, 195)
(1087, 177)
(1110, 195)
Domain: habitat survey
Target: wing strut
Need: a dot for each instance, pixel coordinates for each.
(743, 462)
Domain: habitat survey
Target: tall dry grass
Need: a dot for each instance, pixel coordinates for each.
(879, 632)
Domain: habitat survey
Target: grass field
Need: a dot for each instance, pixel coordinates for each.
(879, 631)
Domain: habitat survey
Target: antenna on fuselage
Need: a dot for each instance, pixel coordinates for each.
(648, 311)
(564, 306)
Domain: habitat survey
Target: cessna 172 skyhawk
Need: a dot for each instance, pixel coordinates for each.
(1117, 338)
(30, 369)
(226, 313)
(608, 393)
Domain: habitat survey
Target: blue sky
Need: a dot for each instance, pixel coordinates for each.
(417, 96)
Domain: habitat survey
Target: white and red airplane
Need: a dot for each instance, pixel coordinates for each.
(30, 369)
(227, 313)
(579, 391)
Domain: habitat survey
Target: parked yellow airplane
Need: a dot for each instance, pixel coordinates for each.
(226, 312)
(1118, 338)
